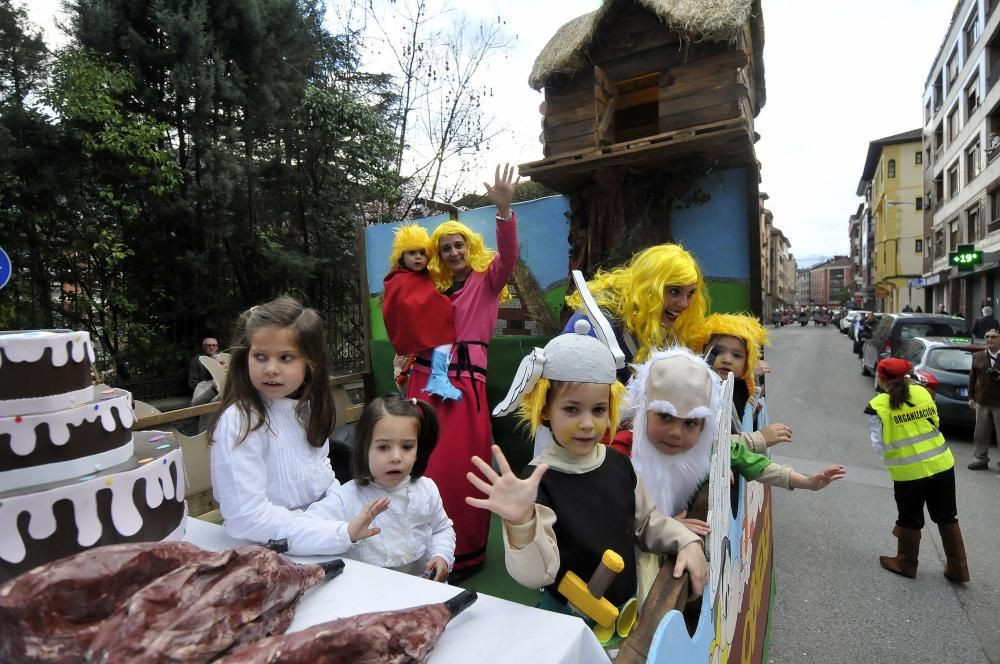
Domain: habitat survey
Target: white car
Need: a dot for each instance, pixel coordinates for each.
(847, 322)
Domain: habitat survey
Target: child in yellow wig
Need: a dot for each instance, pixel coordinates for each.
(735, 341)
(659, 299)
(417, 317)
(579, 498)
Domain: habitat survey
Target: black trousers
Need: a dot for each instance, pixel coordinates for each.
(936, 491)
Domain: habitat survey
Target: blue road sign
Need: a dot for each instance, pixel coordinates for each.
(5, 268)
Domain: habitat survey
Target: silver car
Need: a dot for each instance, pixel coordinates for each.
(944, 364)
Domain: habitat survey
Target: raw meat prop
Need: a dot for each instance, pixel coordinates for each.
(199, 611)
(387, 637)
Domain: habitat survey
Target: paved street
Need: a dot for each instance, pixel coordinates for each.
(834, 602)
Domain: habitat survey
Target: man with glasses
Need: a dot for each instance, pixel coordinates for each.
(984, 398)
(198, 375)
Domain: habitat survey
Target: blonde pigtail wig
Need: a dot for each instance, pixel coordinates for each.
(478, 255)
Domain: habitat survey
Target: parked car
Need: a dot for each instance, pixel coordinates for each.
(894, 330)
(944, 366)
(847, 322)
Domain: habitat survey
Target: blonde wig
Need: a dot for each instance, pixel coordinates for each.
(634, 295)
(744, 327)
(532, 404)
(478, 255)
(409, 237)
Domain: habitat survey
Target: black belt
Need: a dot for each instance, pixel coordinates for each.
(462, 363)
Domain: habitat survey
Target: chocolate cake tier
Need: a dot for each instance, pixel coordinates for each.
(141, 500)
(49, 447)
(44, 370)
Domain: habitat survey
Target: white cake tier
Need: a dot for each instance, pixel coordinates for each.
(50, 447)
(92, 517)
(64, 346)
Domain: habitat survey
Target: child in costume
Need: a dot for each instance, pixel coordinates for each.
(392, 443)
(904, 429)
(417, 317)
(579, 498)
(675, 399)
(270, 456)
(657, 300)
(736, 340)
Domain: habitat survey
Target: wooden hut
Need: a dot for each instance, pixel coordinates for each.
(642, 97)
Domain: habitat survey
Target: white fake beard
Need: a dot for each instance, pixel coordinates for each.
(670, 479)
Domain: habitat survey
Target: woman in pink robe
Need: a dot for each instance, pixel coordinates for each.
(475, 279)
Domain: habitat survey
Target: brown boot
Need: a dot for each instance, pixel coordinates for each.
(955, 567)
(905, 561)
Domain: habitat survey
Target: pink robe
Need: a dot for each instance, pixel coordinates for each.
(465, 424)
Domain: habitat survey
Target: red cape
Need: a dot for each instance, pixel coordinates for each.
(416, 315)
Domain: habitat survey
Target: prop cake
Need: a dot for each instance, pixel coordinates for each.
(72, 473)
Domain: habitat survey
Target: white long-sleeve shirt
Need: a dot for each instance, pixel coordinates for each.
(264, 484)
(414, 529)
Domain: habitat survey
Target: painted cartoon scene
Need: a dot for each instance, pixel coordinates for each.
(425, 331)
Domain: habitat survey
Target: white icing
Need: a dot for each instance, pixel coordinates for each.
(31, 345)
(54, 472)
(23, 437)
(47, 404)
(83, 495)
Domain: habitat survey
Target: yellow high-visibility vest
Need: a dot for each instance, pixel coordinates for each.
(912, 445)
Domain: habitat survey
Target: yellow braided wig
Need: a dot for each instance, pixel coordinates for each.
(530, 410)
(633, 295)
(409, 237)
(744, 327)
(478, 255)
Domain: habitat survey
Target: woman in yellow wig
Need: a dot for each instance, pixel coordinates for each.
(475, 279)
(657, 300)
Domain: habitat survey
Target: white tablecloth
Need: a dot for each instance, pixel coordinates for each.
(491, 630)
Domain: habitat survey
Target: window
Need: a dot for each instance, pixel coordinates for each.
(918, 157)
(892, 168)
(953, 181)
(971, 33)
(939, 242)
(994, 209)
(953, 235)
(972, 223)
(953, 124)
(927, 112)
(918, 202)
(971, 98)
(952, 68)
(918, 245)
(927, 246)
(972, 161)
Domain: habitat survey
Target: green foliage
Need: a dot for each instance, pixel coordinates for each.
(202, 157)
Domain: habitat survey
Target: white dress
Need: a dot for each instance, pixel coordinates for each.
(414, 529)
(264, 484)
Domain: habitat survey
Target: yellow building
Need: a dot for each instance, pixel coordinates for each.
(892, 184)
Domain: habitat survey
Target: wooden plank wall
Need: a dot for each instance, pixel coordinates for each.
(699, 83)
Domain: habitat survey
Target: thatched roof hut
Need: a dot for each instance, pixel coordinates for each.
(694, 20)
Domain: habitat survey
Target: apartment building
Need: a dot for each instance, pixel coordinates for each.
(829, 281)
(961, 172)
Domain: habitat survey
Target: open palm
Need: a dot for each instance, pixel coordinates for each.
(502, 191)
(507, 496)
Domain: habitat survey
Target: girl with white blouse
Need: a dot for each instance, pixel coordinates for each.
(270, 438)
(392, 443)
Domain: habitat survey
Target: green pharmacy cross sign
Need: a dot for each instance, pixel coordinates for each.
(965, 257)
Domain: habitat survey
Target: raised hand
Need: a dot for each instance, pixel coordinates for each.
(825, 477)
(359, 527)
(507, 496)
(502, 191)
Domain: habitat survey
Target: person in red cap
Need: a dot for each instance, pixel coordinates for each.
(904, 429)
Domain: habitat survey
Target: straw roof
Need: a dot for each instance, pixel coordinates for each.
(695, 20)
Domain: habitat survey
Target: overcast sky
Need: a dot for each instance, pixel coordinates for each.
(838, 75)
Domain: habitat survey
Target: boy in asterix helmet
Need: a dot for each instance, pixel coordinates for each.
(579, 497)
